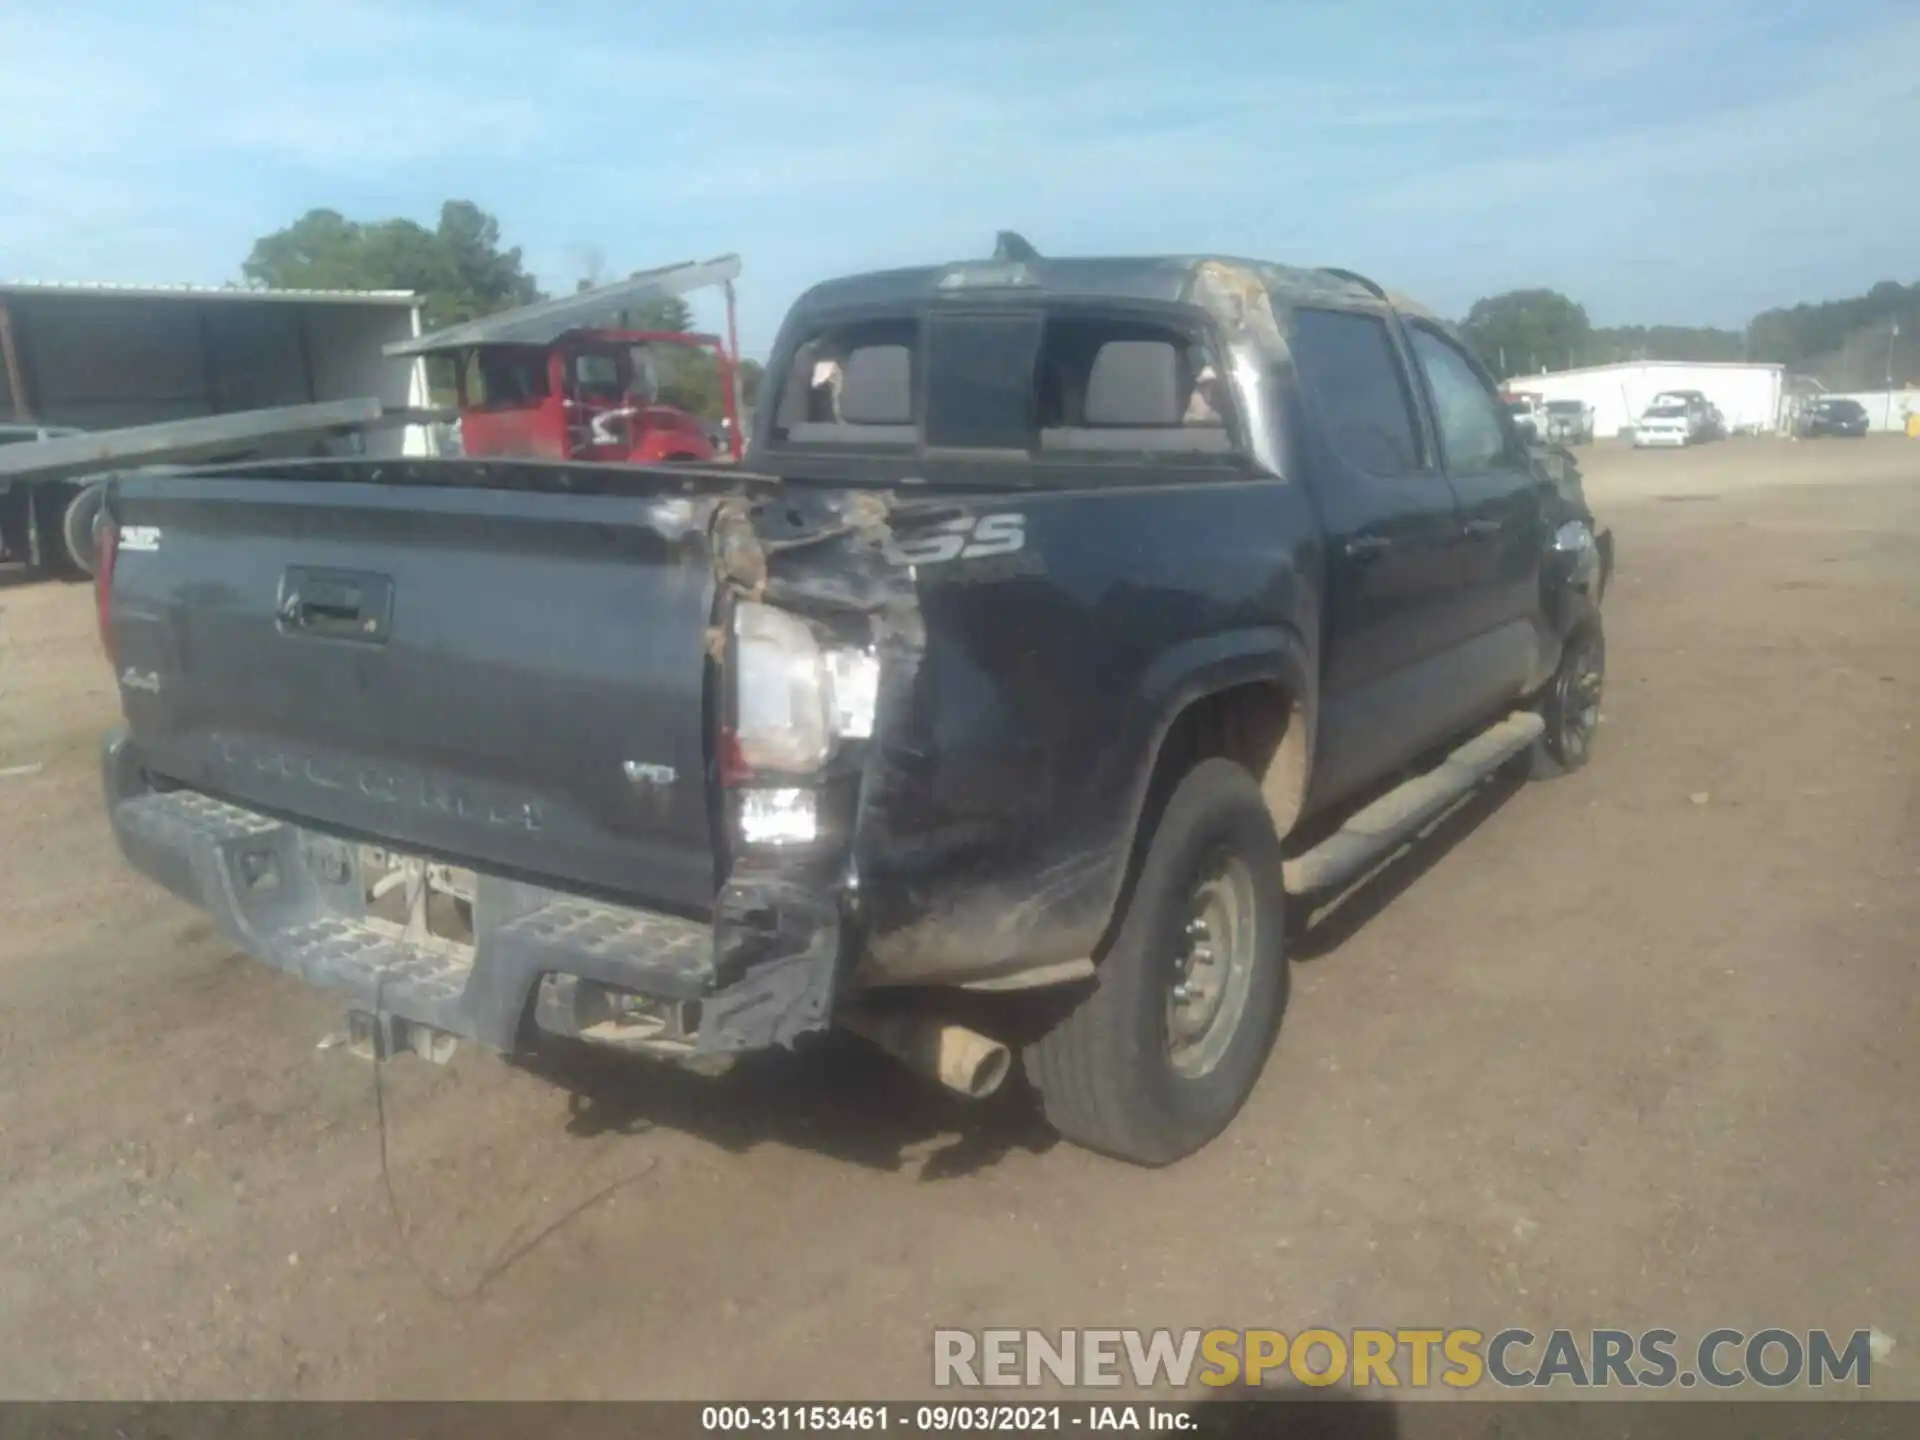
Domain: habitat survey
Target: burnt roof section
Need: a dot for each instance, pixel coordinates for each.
(1167, 279)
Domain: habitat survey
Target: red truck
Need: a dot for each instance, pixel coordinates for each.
(554, 381)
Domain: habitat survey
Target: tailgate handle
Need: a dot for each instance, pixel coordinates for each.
(341, 604)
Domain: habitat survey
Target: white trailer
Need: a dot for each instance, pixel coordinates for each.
(147, 360)
(1749, 397)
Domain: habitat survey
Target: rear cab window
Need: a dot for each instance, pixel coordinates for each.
(852, 385)
(1113, 386)
(503, 377)
(1050, 386)
(597, 375)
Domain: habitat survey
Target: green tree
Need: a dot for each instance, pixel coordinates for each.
(689, 378)
(1846, 344)
(458, 269)
(1523, 330)
(1663, 342)
(662, 312)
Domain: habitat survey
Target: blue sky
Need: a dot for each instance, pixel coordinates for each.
(1671, 162)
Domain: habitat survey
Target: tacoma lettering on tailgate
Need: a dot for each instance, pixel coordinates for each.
(384, 784)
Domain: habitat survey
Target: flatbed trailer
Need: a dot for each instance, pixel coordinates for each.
(99, 377)
(50, 483)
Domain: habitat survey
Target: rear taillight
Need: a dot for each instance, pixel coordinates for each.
(796, 695)
(796, 692)
(106, 551)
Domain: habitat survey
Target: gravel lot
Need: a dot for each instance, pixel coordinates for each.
(1633, 1048)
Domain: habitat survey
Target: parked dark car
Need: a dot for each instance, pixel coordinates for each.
(1834, 417)
(1090, 615)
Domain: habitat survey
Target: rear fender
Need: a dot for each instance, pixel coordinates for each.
(1211, 665)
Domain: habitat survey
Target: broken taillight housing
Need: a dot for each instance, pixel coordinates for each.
(106, 552)
(796, 692)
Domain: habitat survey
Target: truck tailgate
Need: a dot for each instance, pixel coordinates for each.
(512, 679)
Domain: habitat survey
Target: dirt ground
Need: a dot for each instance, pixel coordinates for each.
(1633, 1048)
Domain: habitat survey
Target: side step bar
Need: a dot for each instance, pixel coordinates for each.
(1366, 838)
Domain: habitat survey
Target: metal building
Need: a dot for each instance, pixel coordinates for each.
(97, 356)
(1750, 397)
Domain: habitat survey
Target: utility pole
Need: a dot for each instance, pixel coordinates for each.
(1893, 331)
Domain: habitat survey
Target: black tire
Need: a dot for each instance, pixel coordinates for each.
(1106, 1073)
(1571, 706)
(77, 527)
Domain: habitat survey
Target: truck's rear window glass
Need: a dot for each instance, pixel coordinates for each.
(853, 385)
(980, 380)
(1009, 381)
(1124, 386)
(1354, 381)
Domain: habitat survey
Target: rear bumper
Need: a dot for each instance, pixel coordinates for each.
(761, 973)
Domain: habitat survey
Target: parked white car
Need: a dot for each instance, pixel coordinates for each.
(1668, 423)
(1708, 423)
(1529, 414)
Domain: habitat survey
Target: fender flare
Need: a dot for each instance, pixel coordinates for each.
(1205, 666)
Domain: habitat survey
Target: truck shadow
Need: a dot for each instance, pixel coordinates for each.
(1317, 932)
(843, 1098)
(839, 1097)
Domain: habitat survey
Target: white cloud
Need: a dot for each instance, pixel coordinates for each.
(1696, 217)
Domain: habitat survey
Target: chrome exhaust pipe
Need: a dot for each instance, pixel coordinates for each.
(965, 1061)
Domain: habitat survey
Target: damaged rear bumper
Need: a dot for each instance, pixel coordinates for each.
(762, 972)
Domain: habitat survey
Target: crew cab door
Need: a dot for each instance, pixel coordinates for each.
(1392, 610)
(1502, 504)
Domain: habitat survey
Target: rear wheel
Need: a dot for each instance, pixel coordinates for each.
(78, 526)
(1160, 1055)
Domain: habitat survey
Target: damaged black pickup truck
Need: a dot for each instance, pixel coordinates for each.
(1071, 620)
